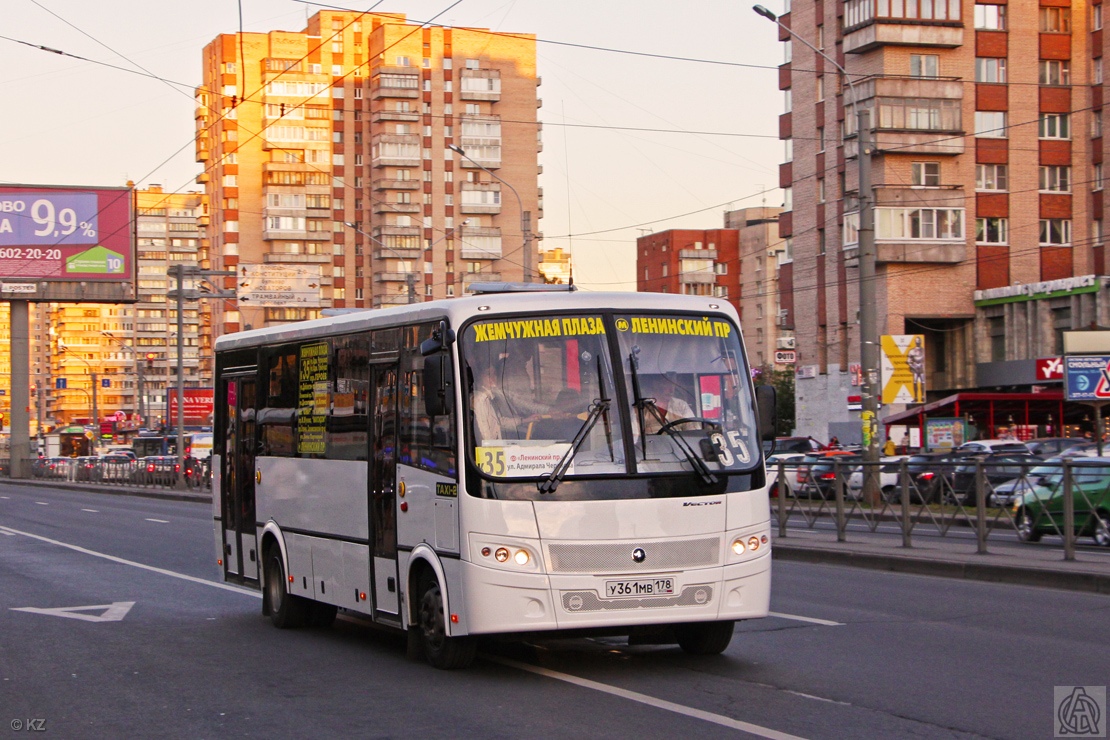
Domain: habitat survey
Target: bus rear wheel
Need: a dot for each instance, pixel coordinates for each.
(705, 638)
(286, 610)
(440, 650)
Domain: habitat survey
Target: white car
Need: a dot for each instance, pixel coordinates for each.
(981, 446)
(888, 479)
(789, 462)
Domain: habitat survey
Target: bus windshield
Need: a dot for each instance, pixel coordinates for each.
(548, 400)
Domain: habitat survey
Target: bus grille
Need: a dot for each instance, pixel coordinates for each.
(617, 557)
(588, 601)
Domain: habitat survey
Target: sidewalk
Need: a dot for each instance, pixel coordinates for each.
(1013, 562)
(1040, 564)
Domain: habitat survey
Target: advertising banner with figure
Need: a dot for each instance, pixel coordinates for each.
(903, 368)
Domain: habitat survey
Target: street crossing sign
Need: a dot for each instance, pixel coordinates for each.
(1087, 378)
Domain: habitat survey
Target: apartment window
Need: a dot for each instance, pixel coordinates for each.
(1096, 125)
(919, 223)
(1054, 126)
(820, 138)
(1055, 179)
(992, 231)
(787, 99)
(990, 69)
(788, 150)
(924, 65)
(996, 325)
(1096, 17)
(991, 177)
(472, 64)
(925, 174)
(821, 237)
(1054, 72)
(990, 17)
(1055, 20)
(919, 114)
(990, 124)
(1055, 232)
(1096, 232)
(1096, 177)
(787, 199)
(820, 88)
(820, 190)
(1096, 71)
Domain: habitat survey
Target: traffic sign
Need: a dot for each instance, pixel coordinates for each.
(1087, 378)
(279, 286)
(60, 384)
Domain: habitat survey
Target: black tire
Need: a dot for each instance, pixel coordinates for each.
(1025, 525)
(322, 615)
(441, 651)
(705, 638)
(892, 495)
(286, 610)
(1101, 534)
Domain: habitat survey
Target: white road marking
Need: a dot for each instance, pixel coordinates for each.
(113, 612)
(43, 503)
(133, 564)
(9, 497)
(160, 521)
(10, 534)
(811, 620)
(95, 511)
(717, 719)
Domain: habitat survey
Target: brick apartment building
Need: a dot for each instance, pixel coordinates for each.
(987, 125)
(350, 121)
(738, 263)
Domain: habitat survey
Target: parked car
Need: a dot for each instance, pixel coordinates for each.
(157, 470)
(1041, 511)
(817, 473)
(797, 445)
(1049, 446)
(983, 446)
(789, 467)
(1004, 493)
(997, 468)
(888, 479)
(84, 468)
(929, 475)
(116, 467)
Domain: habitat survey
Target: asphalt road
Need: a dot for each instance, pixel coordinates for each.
(851, 653)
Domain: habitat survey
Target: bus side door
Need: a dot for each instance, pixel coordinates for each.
(240, 531)
(383, 490)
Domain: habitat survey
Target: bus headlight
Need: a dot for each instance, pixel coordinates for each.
(502, 554)
(522, 557)
(738, 546)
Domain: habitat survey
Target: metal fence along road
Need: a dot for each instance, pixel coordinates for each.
(1062, 503)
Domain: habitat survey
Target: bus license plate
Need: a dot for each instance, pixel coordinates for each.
(642, 587)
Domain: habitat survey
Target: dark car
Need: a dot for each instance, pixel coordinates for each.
(1049, 446)
(159, 470)
(817, 473)
(997, 469)
(929, 476)
(84, 468)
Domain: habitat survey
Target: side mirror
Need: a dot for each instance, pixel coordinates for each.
(442, 338)
(439, 395)
(766, 405)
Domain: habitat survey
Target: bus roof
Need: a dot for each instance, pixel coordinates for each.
(457, 310)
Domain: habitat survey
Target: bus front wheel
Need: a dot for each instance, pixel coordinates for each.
(286, 609)
(440, 650)
(705, 638)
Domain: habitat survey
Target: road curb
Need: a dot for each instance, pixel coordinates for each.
(162, 495)
(993, 573)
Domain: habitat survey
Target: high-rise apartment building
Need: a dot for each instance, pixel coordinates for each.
(738, 263)
(987, 182)
(351, 121)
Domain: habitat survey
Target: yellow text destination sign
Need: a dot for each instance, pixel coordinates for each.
(490, 331)
(703, 327)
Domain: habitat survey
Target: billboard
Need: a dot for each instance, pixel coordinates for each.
(903, 368)
(944, 434)
(1087, 378)
(54, 237)
(199, 404)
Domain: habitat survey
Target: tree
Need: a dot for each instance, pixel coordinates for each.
(783, 383)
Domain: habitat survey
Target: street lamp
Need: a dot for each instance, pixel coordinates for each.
(868, 320)
(95, 410)
(138, 369)
(525, 216)
(410, 276)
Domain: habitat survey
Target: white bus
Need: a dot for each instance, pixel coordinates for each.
(524, 460)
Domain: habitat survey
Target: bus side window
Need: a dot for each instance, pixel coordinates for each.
(278, 415)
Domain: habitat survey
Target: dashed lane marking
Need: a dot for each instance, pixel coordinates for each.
(159, 521)
(811, 620)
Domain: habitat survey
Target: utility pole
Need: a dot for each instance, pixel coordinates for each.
(868, 258)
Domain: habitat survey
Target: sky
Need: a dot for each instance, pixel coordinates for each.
(632, 143)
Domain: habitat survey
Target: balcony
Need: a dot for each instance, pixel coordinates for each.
(480, 84)
(470, 278)
(390, 207)
(383, 116)
(871, 24)
(392, 277)
(481, 152)
(396, 150)
(296, 259)
(385, 184)
(488, 199)
(697, 254)
(395, 82)
(699, 277)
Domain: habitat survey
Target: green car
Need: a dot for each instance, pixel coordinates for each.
(1041, 511)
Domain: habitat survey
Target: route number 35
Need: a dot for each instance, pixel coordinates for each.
(490, 461)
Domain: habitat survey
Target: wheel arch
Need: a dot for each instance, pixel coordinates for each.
(271, 537)
(424, 561)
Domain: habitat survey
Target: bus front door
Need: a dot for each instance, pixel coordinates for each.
(383, 492)
(240, 532)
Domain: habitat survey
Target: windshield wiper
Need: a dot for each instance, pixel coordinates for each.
(549, 484)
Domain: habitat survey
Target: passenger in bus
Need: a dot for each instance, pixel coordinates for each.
(518, 386)
(487, 421)
(666, 390)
